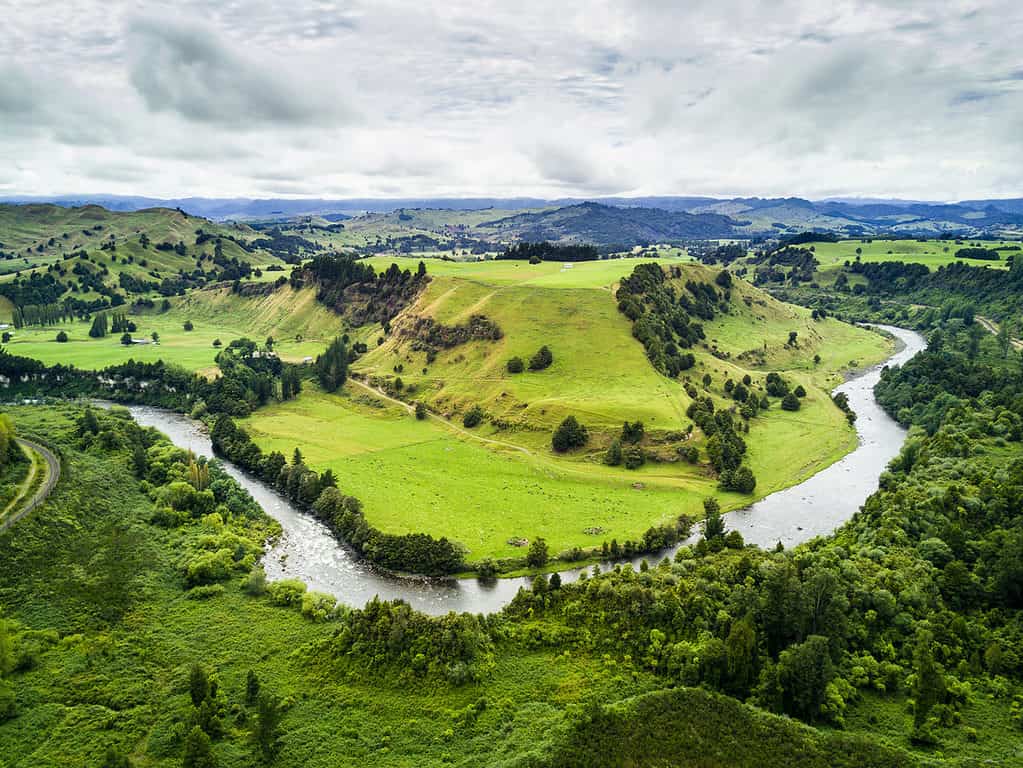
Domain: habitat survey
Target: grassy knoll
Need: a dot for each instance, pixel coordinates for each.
(432, 476)
(300, 325)
(931, 253)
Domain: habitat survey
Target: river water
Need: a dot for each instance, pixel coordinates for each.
(308, 551)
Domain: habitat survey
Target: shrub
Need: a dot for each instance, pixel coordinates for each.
(287, 592)
(538, 554)
(61, 337)
(420, 411)
(790, 402)
(634, 458)
(613, 457)
(569, 434)
(542, 359)
(255, 582)
(473, 417)
(515, 365)
(799, 391)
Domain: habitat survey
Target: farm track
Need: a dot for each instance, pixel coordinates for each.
(52, 476)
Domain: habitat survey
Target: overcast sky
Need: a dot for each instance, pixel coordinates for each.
(344, 99)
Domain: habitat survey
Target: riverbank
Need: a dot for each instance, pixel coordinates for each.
(307, 550)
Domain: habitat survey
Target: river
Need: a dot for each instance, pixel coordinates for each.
(308, 551)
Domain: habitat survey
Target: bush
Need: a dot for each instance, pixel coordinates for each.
(569, 434)
(538, 554)
(634, 458)
(790, 402)
(287, 592)
(188, 325)
(799, 391)
(473, 417)
(420, 411)
(613, 457)
(61, 337)
(542, 359)
(515, 365)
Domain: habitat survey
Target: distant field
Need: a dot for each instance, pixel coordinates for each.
(215, 314)
(552, 274)
(932, 253)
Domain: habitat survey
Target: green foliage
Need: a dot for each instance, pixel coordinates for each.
(332, 366)
(538, 555)
(515, 365)
(198, 751)
(473, 417)
(542, 359)
(569, 434)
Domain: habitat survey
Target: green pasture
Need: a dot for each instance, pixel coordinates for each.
(931, 253)
(300, 326)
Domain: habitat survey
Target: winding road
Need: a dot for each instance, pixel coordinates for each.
(52, 476)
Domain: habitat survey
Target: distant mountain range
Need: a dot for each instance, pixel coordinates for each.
(625, 221)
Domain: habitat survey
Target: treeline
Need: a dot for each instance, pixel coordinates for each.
(318, 493)
(534, 253)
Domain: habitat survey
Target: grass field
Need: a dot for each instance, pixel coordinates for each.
(286, 315)
(431, 476)
(931, 253)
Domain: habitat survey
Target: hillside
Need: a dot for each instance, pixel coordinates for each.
(604, 225)
(92, 257)
(472, 484)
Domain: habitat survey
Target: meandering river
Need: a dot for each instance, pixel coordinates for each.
(308, 551)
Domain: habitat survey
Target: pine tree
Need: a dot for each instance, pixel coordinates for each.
(198, 750)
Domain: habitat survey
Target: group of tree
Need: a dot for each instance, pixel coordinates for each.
(534, 253)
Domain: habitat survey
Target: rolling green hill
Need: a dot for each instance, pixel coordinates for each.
(490, 485)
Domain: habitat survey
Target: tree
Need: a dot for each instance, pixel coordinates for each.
(542, 359)
(804, 671)
(198, 750)
(790, 402)
(188, 325)
(1004, 339)
(613, 457)
(268, 724)
(115, 758)
(61, 337)
(713, 524)
(126, 339)
(792, 339)
(198, 684)
(538, 555)
(632, 432)
(974, 336)
(332, 366)
(515, 365)
(741, 653)
(156, 337)
(99, 326)
(251, 688)
(569, 434)
(928, 686)
(799, 391)
(270, 342)
(473, 417)
(420, 410)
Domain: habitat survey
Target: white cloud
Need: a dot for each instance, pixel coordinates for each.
(367, 97)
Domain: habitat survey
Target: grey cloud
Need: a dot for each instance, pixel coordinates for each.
(185, 67)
